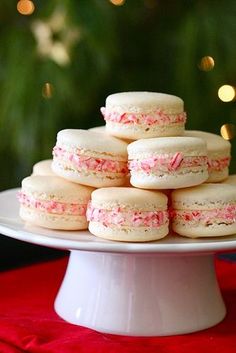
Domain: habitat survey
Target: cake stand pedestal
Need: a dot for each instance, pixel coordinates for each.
(160, 288)
(140, 294)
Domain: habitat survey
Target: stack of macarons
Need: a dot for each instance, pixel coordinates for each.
(134, 161)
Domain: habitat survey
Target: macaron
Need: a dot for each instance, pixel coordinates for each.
(51, 202)
(43, 168)
(137, 115)
(128, 214)
(168, 162)
(205, 210)
(218, 150)
(90, 158)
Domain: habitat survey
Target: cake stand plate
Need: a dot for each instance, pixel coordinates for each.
(159, 288)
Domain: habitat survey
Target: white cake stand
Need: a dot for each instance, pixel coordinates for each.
(152, 289)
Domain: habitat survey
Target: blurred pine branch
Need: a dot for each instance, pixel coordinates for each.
(142, 45)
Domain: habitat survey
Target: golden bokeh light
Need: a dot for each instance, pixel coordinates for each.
(117, 2)
(47, 90)
(228, 131)
(25, 7)
(226, 93)
(207, 63)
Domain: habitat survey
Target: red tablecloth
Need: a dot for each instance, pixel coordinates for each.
(29, 324)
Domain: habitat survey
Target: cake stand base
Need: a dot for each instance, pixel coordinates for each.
(140, 294)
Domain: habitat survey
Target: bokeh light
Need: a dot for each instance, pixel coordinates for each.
(47, 90)
(226, 93)
(228, 131)
(117, 2)
(25, 7)
(207, 63)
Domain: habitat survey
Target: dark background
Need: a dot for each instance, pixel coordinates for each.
(87, 49)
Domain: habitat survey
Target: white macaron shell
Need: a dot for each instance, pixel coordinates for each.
(199, 231)
(43, 168)
(90, 178)
(128, 234)
(53, 221)
(189, 146)
(56, 189)
(204, 196)
(215, 143)
(129, 198)
(100, 129)
(92, 141)
(139, 131)
(144, 102)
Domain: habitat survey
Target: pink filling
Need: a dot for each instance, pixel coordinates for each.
(91, 163)
(52, 206)
(121, 217)
(157, 118)
(226, 215)
(218, 164)
(167, 162)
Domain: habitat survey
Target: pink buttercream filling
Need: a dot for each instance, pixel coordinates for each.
(52, 206)
(159, 117)
(167, 162)
(91, 163)
(120, 217)
(226, 214)
(218, 164)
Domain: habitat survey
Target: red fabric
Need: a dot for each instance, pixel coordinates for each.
(29, 324)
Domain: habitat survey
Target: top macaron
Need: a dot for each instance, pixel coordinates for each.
(136, 115)
(90, 158)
